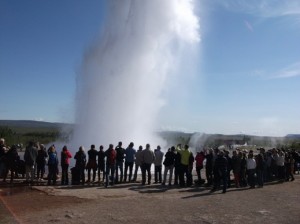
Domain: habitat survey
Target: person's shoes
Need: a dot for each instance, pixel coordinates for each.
(163, 184)
(213, 190)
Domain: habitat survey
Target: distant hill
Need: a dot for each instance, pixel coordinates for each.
(32, 124)
(35, 129)
(297, 136)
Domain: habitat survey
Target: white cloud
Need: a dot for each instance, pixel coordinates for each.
(288, 72)
(248, 25)
(264, 8)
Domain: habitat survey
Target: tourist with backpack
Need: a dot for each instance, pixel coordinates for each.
(110, 155)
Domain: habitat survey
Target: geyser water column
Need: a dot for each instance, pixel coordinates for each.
(119, 87)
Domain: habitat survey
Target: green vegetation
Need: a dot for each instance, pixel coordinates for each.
(23, 136)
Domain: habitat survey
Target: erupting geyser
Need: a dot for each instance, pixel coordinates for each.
(119, 87)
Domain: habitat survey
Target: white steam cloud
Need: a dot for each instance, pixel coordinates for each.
(124, 73)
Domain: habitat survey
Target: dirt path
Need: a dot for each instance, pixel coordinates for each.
(133, 203)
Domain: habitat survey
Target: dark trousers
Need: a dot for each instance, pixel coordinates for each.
(82, 174)
(89, 174)
(281, 172)
(101, 168)
(130, 166)
(40, 170)
(251, 177)
(52, 174)
(146, 167)
(119, 165)
(209, 175)
(136, 171)
(109, 174)
(260, 177)
(184, 171)
(198, 170)
(220, 175)
(64, 174)
(157, 174)
(176, 174)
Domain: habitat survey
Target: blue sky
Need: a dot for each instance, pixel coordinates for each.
(249, 68)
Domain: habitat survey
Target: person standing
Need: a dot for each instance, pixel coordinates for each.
(129, 160)
(209, 167)
(177, 167)
(52, 166)
(119, 162)
(30, 156)
(159, 155)
(138, 162)
(11, 160)
(92, 163)
(184, 163)
(199, 165)
(169, 165)
(251, 166)
(110, 155)
(220, 171)
(41, 162)
(65, 161)
(148, 158)
(236, 167)
(80, 158)
(101, 162)
(260, 166)
(2, 156)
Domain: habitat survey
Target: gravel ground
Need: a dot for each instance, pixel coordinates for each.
(133, 203)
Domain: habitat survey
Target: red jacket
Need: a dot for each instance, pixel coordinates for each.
(65, 157)
(199, 159)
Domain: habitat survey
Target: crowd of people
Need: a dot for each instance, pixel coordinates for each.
(118, 165)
